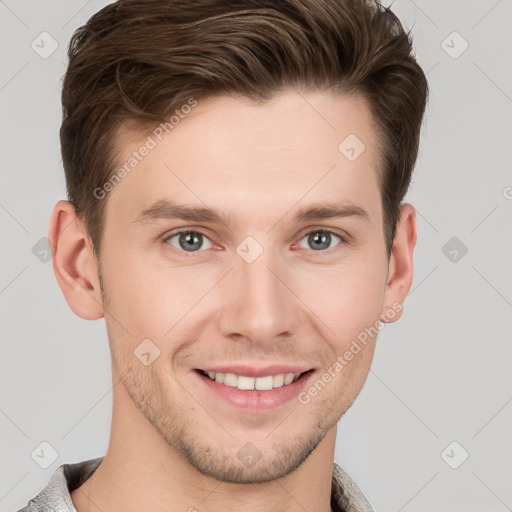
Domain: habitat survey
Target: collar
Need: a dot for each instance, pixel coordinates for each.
(345, 494)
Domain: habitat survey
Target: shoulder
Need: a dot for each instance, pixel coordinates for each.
(346, 494)
(66, 478)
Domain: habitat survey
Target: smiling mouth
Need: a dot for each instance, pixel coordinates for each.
(245, 383)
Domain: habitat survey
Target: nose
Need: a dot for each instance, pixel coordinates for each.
(257, 303)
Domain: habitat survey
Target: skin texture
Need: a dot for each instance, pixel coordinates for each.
(174, 443)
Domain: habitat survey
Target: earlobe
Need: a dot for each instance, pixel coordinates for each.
(400, 271)
(74, 263)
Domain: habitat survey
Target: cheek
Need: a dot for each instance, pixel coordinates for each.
(150, 299)
(346, 297)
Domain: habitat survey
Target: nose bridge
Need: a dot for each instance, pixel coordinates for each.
(256, 303)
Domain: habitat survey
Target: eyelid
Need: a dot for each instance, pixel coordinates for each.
(178, 231)
(344, 237)
(328, 229)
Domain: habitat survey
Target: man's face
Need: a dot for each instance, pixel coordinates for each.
(260, 289)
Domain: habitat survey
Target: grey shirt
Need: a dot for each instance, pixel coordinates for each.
(345, 494)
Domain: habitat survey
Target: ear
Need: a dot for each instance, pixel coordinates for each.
(74, 262)
(400, 269)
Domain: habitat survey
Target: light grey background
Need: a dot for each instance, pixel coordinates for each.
(440, 374)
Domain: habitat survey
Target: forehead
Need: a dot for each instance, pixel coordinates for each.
(242, 157)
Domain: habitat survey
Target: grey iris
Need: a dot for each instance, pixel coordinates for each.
(191, 240)
(319, 240)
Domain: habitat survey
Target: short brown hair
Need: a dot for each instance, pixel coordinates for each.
(139, 60)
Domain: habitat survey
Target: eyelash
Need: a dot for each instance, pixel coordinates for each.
(187, 254)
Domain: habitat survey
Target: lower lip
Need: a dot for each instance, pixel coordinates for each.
(255, 399)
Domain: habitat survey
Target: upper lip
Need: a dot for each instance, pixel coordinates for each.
(255, 371)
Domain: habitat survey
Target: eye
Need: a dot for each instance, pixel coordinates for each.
(320, 239)
(188, 240)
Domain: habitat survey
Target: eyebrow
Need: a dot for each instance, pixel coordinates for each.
(330, 211)
(165, 209)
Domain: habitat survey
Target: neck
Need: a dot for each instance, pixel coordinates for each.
(141, 471)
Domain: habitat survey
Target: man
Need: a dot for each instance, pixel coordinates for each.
(236, 174)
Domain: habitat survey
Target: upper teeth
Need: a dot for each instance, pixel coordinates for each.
(260, 383)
